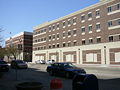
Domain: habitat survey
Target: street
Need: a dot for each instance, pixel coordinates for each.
(109, 78)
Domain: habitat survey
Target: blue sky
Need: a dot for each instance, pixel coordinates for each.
(22, 15)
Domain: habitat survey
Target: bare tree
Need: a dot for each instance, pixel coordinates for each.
(1, 30)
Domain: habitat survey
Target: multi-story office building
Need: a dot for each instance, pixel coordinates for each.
(88, 36)
(22, 41)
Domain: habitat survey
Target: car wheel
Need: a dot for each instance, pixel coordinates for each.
(51, 73)
(67, 75)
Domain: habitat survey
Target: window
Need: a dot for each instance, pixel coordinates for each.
(75, 43)
(49, 27)
(57, 25)
(83, 17)
(89, 15)
(69, 22)
(110, 38)
(97, 26)
(119, 37)
(64, 44)
(109, 9)
(98, 13)
(53, 45)
(49, 37)
(89, 28)
(63, 23)
(90, 41)
(74, 32)
(83, 42)
(98, 40)
(83, 29)
(69, 44)
(74, 20)
(63, 34)
(109, 23)
(118, 21)
(118, 6)
(49, 46)
(53, 26)
(57, 35)
(69, 33)
(58, 45)
(53, 36)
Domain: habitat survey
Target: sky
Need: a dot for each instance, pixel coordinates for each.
(22, 15)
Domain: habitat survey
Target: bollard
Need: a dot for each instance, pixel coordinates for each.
(85, 82)
(56, 84)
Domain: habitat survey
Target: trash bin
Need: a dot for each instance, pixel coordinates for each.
(29, 86)
(85, 82)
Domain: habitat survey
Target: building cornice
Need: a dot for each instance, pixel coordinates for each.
(73, 14)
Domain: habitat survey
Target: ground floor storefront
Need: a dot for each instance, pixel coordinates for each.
(104, 54)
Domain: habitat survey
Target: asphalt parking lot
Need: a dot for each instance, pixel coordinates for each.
(109, 78)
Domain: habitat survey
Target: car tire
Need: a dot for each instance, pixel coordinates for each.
(67, 75)
(51, 73)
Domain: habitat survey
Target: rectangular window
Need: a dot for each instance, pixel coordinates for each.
(69, 44)
(97, 26)
(83, 29)
(83, 17)
(69, 33)
(89, 15)
(57, 25)
(97, 13)
(98, 40)
(109, 9)
(57, 35)
(64, 44)
(53, 46)
(74, 32)
(74, 20)
(118, 6)
(63, 24)
(119, 37)
(63, 34)
(50, 28)
(118, 21)
(83, 42)
(90, 41)
(58, 45)
(75, 43)
(89, 28)
(49, 46)
(53, 27)
(49, 37)
(109, 23)
(110, 38)
(53, 36)
(69, 22)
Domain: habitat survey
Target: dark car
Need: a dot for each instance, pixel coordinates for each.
(64, 69)
(17, 64)
(4, 66)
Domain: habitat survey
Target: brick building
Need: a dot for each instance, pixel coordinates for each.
(23, 41)
(87, 36)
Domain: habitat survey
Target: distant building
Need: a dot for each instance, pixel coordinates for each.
(23, 41)
(88, 36)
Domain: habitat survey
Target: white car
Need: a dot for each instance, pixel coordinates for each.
(50, 61)
(40, 62)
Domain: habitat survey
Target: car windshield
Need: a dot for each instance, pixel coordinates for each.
(69, 65)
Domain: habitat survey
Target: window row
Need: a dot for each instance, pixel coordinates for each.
(117, 22)
(110, 8)
(114, 38)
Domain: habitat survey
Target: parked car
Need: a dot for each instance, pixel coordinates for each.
(66, 69)
(50, 61)
(4, 66)
(40, 62)
(16, 64)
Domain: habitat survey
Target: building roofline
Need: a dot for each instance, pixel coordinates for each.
(72, 14)
(19, 34)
